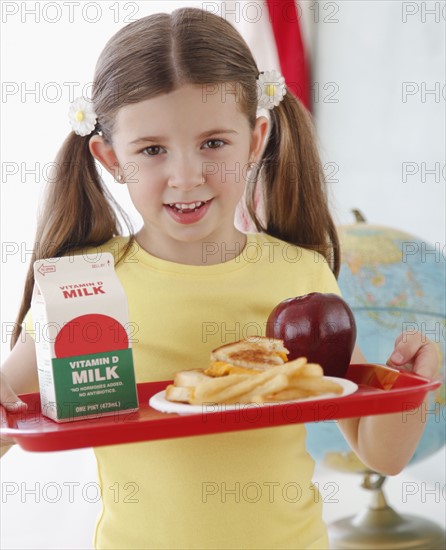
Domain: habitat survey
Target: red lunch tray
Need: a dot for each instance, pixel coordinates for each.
(380, 390)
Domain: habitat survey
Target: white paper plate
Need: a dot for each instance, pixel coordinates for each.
(160, 403)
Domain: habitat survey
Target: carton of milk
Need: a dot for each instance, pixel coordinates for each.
(84, 357)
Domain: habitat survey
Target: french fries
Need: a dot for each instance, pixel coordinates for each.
(292, 380)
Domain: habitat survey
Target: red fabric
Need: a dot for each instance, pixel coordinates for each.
(284, 18)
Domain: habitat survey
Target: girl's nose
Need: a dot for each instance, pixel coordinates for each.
(186, 174)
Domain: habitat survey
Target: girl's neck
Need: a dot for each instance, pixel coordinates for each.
(208, 252)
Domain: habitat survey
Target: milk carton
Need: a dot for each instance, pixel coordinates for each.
(84, 357)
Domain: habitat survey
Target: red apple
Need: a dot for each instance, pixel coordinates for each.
(320, 327)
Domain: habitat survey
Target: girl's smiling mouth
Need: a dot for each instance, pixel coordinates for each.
(188, 212)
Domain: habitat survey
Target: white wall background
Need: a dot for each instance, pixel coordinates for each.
(379, 85)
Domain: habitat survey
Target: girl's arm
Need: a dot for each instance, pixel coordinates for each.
(18, 375)
(386, 442)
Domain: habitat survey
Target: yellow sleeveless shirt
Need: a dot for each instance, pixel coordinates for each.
(236, 490)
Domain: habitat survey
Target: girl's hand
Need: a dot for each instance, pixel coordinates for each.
(416, 353)
(10, 402)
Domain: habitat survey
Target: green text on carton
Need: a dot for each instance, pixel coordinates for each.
(84, 357)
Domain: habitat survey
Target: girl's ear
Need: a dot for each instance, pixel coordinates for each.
(258, 139)
(103, 152)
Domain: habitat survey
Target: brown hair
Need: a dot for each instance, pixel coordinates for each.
(158, 54)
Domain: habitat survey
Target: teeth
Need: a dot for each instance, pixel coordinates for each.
(183, 206)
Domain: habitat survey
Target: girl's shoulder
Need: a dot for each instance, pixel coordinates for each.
(118, 246)
(279, 249)
(291, 264)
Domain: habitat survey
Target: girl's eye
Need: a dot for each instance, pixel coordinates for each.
(215, 143)
(152, 151)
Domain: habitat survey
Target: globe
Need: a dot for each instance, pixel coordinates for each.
(393, 282)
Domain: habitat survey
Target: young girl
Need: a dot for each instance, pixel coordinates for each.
(174, 117)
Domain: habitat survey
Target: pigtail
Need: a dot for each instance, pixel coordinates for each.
(78, 212)
(294, 190)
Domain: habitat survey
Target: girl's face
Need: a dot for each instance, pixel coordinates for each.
(184, 158)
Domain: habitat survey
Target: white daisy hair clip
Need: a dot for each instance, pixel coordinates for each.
(82, 116)
(270, 89)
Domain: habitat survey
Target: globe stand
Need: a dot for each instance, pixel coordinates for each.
(381, 527)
